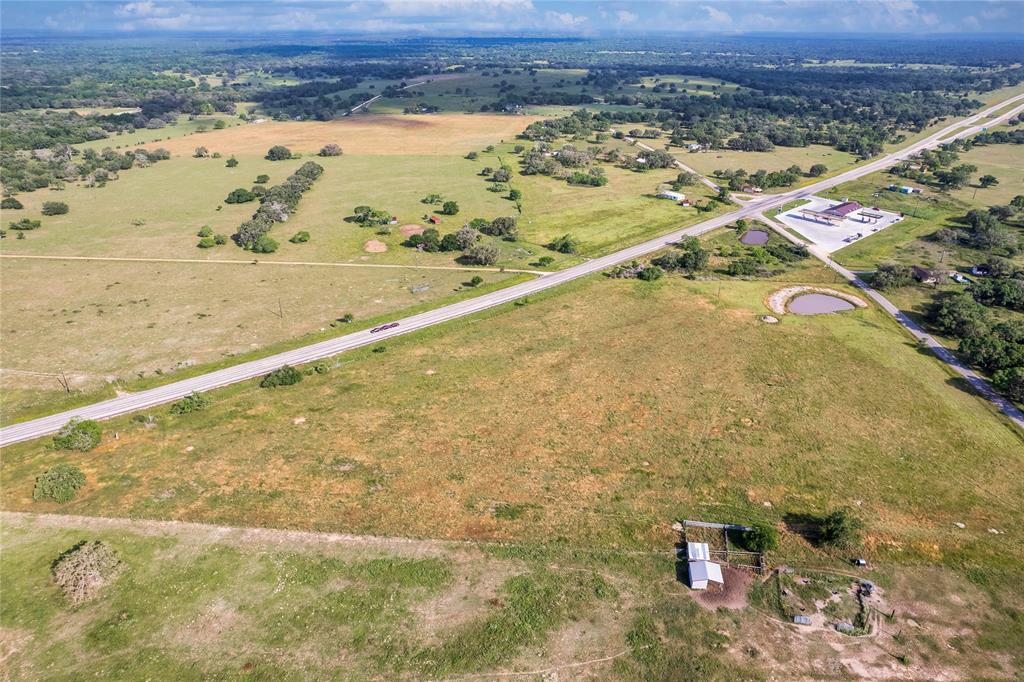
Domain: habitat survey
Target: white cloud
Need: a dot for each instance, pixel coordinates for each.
(717, 17)
(626, 17)
(145, 8)
(564, 20)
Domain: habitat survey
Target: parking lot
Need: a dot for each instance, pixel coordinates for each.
(833, 237)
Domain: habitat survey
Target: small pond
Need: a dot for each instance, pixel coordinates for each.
(816, 304)
(754, 238)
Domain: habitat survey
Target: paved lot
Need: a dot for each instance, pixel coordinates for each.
(831, 238)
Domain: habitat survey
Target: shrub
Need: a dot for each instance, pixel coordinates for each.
(891, 276)
(207, 243)
(482, 254)
(450, 208)
(240, 196)
(300, 237)
(54, 208)
(262, 179)
(330, 150)
(264, 244)
(11, 203)
(82, 571)
(278, 153)
(817, 170)
(839, 528)
(476, 281)
(205, 231)
(650, 273)
(231, 162)
(282, 376)
(472, 155)
(26, 224)
(761, 537)
(545, 261)
(565, 244)
(60, 483)
(1011, 382)
(194, 402)
(220, 239)
(78, 434)
(515, 194)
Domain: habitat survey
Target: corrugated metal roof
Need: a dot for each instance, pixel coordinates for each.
(697, 551)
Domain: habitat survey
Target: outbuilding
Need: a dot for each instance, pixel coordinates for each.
(669, 194)
(434, 220)
(704, 572)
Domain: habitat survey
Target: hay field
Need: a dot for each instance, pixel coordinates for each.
(440, 134)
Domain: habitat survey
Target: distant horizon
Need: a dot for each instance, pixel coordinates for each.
(514, 18)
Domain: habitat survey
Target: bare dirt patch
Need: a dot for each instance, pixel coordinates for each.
(410, 230)
(371, 134)
(375, 246)
(730, 595)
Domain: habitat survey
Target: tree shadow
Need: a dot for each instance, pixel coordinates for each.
(962, 384)
(806, 525)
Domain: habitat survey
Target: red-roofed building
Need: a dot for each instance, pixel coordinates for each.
(844, 209)
(436, 220)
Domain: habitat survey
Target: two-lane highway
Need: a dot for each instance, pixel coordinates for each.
(132, 402)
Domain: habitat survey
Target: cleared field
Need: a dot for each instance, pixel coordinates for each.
(707, 163)
(602, 410)
(105, 321)
(440, 134)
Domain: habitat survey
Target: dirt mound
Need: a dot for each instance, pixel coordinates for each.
(731, 595)
(375, 246)
(411, 229)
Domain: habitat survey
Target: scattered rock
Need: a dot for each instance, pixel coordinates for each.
(994, 531)
(960, 525)
(769, 319)
(190, 448)
(299, 420)
(431, 372)
(767, 503)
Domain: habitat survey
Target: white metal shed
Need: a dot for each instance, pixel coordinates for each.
(703, 572)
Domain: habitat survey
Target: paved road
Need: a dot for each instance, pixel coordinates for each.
(132, 402)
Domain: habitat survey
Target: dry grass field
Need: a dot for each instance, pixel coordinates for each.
(102, 321)
(592, 417)
(600, 412)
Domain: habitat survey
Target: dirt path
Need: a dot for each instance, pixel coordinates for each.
(204, 533)
(232, 261)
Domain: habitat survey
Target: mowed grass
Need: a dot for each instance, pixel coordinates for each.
(607, 408)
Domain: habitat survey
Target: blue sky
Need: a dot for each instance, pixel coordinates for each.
(514, 17)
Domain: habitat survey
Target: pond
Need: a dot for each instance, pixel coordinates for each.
(816, 304)
(754, 238)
